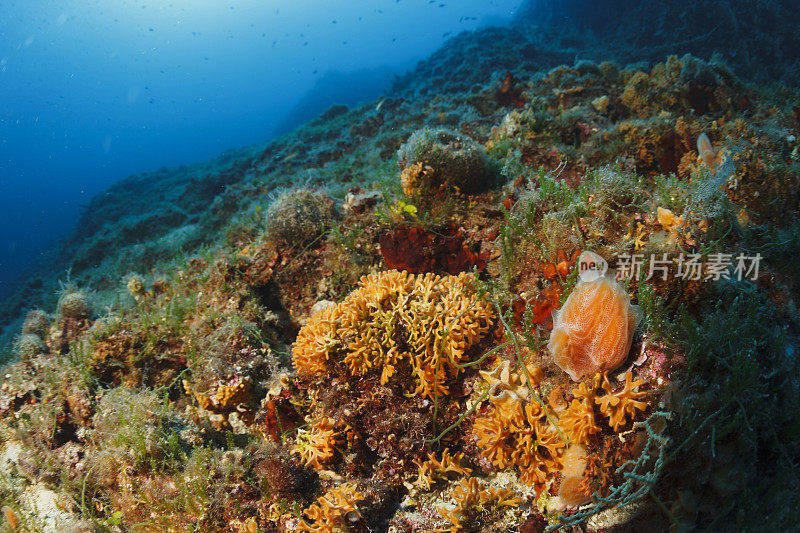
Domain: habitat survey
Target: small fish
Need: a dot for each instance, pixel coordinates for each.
(378, 107)
(291, 156)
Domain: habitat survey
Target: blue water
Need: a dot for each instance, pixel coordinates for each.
(91, 91)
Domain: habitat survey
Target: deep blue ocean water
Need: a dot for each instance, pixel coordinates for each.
(92, 91)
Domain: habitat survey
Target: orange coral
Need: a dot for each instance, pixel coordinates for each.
(538, 447)
(426, 322)
(495, 437)
(578, 422)
(618, 405)
(317, 445)
(594, 328)
(519, 434)
(329, 512)
(432, 468)
(472, 498)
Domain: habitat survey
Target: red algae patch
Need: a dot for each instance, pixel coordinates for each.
(594, 328)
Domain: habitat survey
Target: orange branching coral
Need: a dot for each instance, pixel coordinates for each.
(504, 378)
(594, 328)
(329, 512)
(538, 448)
(495, 437)
(432, 468)
(317, 340)
(471, 499)
(426, 322)
(578, 420)
(519, 434)
(618, 405)
(317, 444)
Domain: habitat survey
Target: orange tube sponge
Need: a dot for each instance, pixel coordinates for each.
(706, 151)
(594, 328)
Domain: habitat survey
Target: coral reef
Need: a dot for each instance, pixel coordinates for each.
(386, 366)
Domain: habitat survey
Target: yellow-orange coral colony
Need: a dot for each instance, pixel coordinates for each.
(471, 497)
(618, 405)
(431, 468)
(516, 432)
(316, 445)
(594, 328)
(427, 322)
(329, 512)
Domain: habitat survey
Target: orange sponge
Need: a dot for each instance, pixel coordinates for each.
(594, 328)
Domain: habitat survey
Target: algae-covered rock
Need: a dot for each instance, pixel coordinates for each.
(453, 159)
(36, 323)
(298, 217)
(75, 305)
(29, 346)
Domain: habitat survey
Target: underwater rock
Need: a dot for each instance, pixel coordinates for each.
(594, 328)
(75, 305)
(455, 160)
(36, 323)
(298, 217)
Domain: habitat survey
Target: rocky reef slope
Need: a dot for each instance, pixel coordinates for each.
(351, 328)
